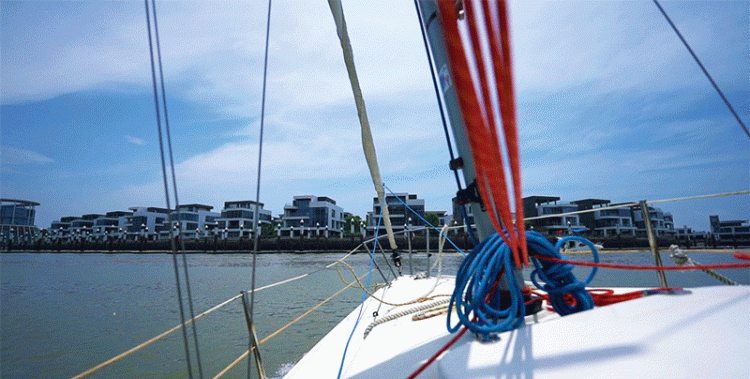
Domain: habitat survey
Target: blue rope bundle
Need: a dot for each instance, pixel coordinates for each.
(478, 298)
(558, 278)
(475, 283)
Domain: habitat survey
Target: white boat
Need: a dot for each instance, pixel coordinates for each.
(577, 246)
(402, 331)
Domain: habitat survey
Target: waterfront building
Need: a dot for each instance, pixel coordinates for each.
(17, 219)
(190, 221)
(732, 230)
(146, 222)
(81, 228)
(661, 221)
(534, 206)
(688, 237)
(60, 230)
(606, 222)
(237, 217)
(312, 215)
(401, 216)
(112, 225)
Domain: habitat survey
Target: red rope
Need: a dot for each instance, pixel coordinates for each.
(436, 355)
(479, 118)
(602, 296)
(655, 268)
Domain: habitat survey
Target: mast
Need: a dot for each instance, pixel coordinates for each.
(431, 25)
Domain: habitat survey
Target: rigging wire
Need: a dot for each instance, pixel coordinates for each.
(178, 230)
(257, 188)
(697, 60)
(364, 297)
(166, 186)
(430, 63)
(425, 221)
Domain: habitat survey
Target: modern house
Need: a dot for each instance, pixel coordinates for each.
(17, 219)
(606, 222)
(81, 228)
(405, 210)
(237, 218)
(147, 222)
(190, 221)
(534, 206)
(661, 221)
(112, 225)
(312, 216)
(60, 230)
(732, 230)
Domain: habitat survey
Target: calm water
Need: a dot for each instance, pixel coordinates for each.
(63, 313)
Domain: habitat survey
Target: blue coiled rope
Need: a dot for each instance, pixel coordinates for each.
(558, 278)
(478, 299)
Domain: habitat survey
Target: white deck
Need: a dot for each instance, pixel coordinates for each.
(703, 334)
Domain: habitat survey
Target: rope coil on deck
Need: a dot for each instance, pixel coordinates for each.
(403, 313)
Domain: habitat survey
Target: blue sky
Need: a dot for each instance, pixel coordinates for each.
(610, 104)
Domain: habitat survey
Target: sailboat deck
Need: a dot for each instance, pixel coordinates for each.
(655, 336)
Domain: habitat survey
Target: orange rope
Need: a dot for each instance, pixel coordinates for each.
(479, 117)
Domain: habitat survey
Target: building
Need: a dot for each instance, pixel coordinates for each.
(535, 206)
(312, 215)
(403, 208)
(730, 231)
(237, 218)
(17, 219)
(81, 228)
(606, 222)
(147, 222)
(112, 225)
(190, 221)
(661, 221)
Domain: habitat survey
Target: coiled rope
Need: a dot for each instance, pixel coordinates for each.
(477, 296)
(566, 294)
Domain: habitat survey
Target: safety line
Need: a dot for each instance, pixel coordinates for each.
(656, 268)
(635, 204)
(170, 331)
(274, 334)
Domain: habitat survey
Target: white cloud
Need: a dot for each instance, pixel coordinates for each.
(135, 140)
(15, 156)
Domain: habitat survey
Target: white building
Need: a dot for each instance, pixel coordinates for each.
(606, 222)
(534, 206)
(147, 222)
(112, 225)
(237, 218)
(404, 209)
(661, 221)
(312, 215)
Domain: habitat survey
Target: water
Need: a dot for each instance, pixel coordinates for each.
(61, 314)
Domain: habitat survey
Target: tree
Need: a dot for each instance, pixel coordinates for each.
(268, 229)
(348, 221)
(432, 218)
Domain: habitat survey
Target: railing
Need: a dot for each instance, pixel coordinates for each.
(149, 342)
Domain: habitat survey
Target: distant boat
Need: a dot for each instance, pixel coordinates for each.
(575, 246)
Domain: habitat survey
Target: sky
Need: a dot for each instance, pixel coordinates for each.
(610, 104)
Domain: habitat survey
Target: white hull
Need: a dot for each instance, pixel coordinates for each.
(701, 334)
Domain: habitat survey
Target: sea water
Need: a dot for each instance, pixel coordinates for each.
(61, 314)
